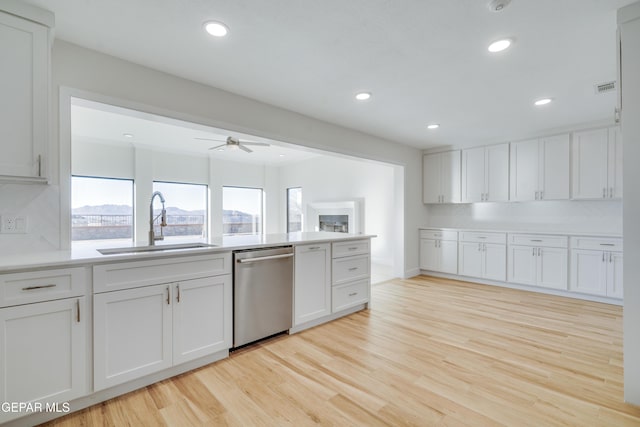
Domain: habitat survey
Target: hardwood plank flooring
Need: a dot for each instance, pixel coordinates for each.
(432, 352)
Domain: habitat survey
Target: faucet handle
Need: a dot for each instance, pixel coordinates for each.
(163, 218)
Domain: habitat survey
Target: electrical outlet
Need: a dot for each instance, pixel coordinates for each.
(12, 224)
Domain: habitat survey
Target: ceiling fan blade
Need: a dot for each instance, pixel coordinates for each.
(211, 139)
(219, 146)
(243, 148)
(255, 143)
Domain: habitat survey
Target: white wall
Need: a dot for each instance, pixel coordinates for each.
(130, 85)
(326, 179)
(561, 216)
(629, 17)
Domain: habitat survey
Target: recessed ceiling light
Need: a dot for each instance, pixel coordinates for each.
(543, 101)
(433, 126)
(363, 96)
(499, 45)
(281, 155)
(127, 135)
(216, 29)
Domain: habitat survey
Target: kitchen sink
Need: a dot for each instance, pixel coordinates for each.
(159, 248)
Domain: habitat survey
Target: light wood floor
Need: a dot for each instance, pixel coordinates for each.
(431, 352)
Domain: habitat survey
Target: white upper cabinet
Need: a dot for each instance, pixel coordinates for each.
(597, 164)
(441, 177)
(485, 174)
(24, 104)
(540, 169)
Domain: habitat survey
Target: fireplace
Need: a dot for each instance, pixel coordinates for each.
(335, 223)
(343, 216)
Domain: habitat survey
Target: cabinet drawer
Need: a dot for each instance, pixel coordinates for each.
(597, 243)
(539, 240)
(439, 234)
(354, 247)
(45, 285)
(349, 269)
(125, 275)
(480, 237)
(349, 295)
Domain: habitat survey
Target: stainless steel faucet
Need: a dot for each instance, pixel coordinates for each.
(152, 219)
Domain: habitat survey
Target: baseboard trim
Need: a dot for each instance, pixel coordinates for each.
(549, 291)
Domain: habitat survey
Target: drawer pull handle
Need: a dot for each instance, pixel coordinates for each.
(481, 237)
(353, 249)
(78, 310)
(607, 244)
(314, 248)
(353, 294)
(33, 288)
(536, 240)
(353, 268)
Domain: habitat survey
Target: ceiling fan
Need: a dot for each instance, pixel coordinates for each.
(234, 143)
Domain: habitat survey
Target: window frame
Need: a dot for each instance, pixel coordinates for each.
(262, 216)
(133, 207)
(288, 208)
(206, 206)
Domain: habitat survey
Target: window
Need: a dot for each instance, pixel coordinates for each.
(242, 210)
(294, 209)
(186, 206)
(101, 208)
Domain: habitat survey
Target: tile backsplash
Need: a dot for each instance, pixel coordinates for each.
(41, 205)
(556, 216)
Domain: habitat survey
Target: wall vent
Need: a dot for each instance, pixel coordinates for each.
(606, 87)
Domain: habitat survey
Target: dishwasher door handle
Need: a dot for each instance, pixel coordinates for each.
(263, 258)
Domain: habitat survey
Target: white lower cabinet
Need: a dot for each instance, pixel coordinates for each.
(312, 282)
(132, 334)
(43, 349)
(350, 275)
(439, 251)
(596, 271)
(543, 262)
(482, 255)
(147, 329)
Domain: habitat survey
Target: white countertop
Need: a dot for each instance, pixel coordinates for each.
(537, 232)
(87, 252)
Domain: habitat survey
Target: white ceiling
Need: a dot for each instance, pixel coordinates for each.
(424, 60)
(93, 122)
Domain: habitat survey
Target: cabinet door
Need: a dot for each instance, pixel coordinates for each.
(450, 177)
(614, 177)
(588, 272)
(473, 175)
(24, 104)
(312, 282)
(497, 173)
(495, 262)
(614, 275)
(590, 169)
(448, 254)
(431, 184)
(552, 268)
(470, 262)
(131, 334)
(429, 255)
(523, 183)
(43, 351)
(202, 317)
(554, 173)
(522, 265)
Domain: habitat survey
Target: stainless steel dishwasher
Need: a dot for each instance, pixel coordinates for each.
(262, 293)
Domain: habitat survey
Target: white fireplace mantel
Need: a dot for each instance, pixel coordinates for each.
(352, 208)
